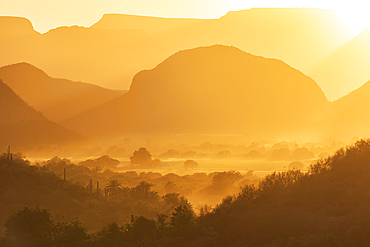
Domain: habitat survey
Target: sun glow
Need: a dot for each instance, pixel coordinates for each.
(354, 14)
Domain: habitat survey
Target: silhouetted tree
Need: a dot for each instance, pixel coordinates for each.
(141, 229)
(110, 236)
(71, 233)
(31, 227)
(172, 201)
(190, 164)
(104, 161)
(114, 187)
(141, 157)
(182, 222)
(144, 192)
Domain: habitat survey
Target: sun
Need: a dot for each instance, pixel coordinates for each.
(353, 13)
(356, 17)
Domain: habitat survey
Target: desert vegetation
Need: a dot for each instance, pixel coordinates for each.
(321, 207)
(245, 129)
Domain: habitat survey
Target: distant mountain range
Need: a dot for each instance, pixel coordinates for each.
(211, 90)
(113, 50)
(298, 36)
(347, 116)
(15, 27)
(21, 125)
(206, 90)
(57, 99)
(149, 24)
(346, 68)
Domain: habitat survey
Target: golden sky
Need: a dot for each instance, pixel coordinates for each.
(48, 14)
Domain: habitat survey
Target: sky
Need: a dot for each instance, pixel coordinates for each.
(48, 14)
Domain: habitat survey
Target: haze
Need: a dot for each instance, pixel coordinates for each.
(192, 123)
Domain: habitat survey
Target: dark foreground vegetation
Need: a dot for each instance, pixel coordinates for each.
(327, 206)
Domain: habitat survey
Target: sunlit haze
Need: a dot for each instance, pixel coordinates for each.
(184, 123)
(48, 14)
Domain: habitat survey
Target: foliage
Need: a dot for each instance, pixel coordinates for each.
(190, 164)
(327, 206)
(29, 227)
(113, 187)
(141, 157)
(103, 162)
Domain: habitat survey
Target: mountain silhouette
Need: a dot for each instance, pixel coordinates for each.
(21, 125)
(346, 117)
(300, 37)
(15, 26)
(210, 90)
(57, 99)
(100, 56)
(109, 56)
(18, 40)
(346, 68)
(149, 24)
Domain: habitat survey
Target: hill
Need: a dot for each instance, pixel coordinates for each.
(15, 26)
(21, 125)
(345, 69)
(346, 117)
(149, 24)
(324, 207)
(13, 109)
(327, 206)
(211, 90)
(106, 57)
(113, 50)
(19, 41)
(298, 36)
(57, 99)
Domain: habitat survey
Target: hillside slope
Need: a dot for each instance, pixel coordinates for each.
(211, 90)
(57, 99)
(346, 117)
(325, 207)
(123, 45)
(21, 125)
(345, 69)
(300, 37)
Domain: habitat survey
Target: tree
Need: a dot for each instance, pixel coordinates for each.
(141, 157)
(143, 191)
(71, 233)
(104, 161)
(141, 229)
(113, 187)
(173, 200)
(110, 236)
(183, 222)
(29, 227)
(190, 164)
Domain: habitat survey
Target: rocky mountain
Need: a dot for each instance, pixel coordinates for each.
(347, 117)
(346, 68)
(57, 99)
(21, 125)
(300, 37)
(211, 90)
(150, 24)
(113, 50)
(15, 26)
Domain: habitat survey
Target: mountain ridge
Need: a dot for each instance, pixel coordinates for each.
(111, 58)
(53, 96)
(11, 26)
(344, 69)
(22, 126)
(192, 90)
